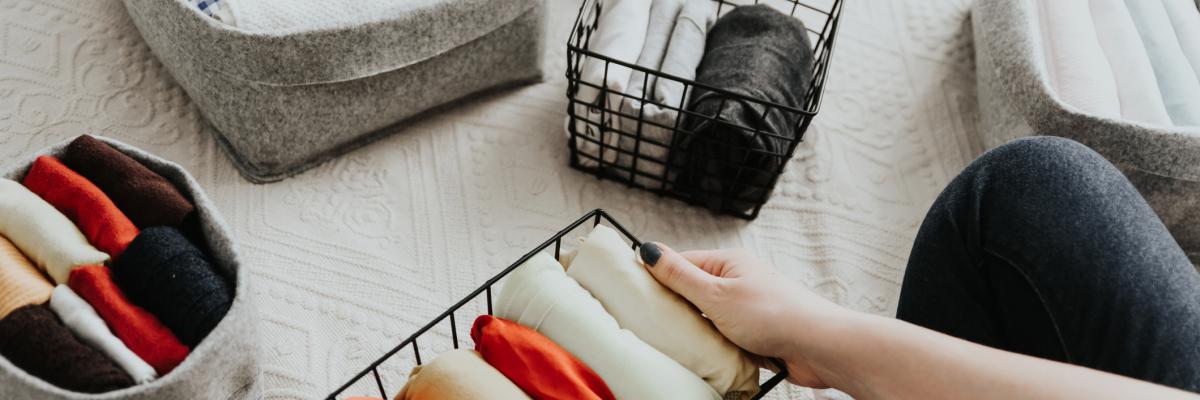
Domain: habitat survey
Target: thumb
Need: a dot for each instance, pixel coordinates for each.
(677, 273)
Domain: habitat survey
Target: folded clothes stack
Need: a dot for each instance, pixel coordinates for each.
(66, 224)
(627, 120)
(1136, 60)
(597, 327)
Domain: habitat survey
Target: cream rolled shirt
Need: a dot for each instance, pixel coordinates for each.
(540, 295)
(459, 375)
(87, 325)
(609, 268)
(43, 233)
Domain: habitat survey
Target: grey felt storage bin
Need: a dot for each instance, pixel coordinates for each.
(282, 102)
(225, 365)
(1016, 100)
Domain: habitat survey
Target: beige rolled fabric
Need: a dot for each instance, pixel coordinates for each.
(540, 295)
(459, 375)
(20, 282)
(43, 234)
(609, 268)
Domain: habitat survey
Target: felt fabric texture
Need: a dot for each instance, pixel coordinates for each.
(681, 59)
(620, 33)
(87, 325)
(535, 363)
(146, 198)
(226, 365)
(1137, 88)
(540, 295)
(609, 268)
(43, 233)
(1075, 61)
(1015, 100)
(1185, 19)
(277, 109)
(171, 278)
(104, 225)
(459, 374)
(137, 328)
(757, 52)
(20, 281)
(1176, 79)
(33, 339)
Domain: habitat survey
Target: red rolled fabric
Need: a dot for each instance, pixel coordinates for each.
(137, 328)
(104, 225)
(535, 363)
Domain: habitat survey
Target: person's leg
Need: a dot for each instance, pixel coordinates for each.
(1042, 247)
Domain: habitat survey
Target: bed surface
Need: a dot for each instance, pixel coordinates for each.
(355, 254)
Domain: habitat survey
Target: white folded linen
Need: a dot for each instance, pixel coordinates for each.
(540, 295)
(620, 33)
(1137, 88)
(1176, 79)
(1186, 21)
(608, 268)
(87, 325)
(45, 235)
(1078, 69)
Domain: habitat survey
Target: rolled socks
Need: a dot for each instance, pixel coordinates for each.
(145, 197)
(165, 273)
(42, 233)
(137, 328)
(20, 282)
(32, 338)
(83, 321)
(105, 226)
(535, 363)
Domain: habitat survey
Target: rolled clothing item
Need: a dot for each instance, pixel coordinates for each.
(21, 283)
(1137, 88)
(608, 268)
(163, 272)
(663, 14)
(621, 27)
(1186, 21)
(1078, 69)
(141, 332)
(459, 375)
(42, 233)
(540, 295)
(535, 363)
(145, 197)
(33, 339)
(683, 56)
(757, 52)
(104, 225)
(83, 321)
(1176, 79)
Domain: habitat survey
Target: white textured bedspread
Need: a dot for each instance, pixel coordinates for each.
(352, 256)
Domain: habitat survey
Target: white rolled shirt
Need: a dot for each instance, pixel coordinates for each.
(43, 233)
(86, 324)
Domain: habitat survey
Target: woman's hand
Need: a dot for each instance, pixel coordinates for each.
(753, 305)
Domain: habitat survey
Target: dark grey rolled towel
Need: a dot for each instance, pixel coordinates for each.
(165, 274)
(761, 53)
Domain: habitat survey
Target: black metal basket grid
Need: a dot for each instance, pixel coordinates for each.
(484, 291)
(654, 165)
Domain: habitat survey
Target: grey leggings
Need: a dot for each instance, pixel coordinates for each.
(1042, 247)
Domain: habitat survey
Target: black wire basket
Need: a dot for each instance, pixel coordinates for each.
(613, 141)
(483, 294)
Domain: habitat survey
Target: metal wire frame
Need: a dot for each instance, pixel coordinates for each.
(595, 217)
(745, 181)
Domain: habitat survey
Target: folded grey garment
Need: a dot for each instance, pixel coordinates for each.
(682, 57)
(729, 149)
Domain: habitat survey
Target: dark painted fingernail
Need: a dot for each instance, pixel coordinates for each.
(650, 253)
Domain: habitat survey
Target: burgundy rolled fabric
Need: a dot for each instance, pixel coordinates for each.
(32, 338)
(144, 196)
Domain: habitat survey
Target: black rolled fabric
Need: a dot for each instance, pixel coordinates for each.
(164, 273)
(761, 53)
(33, 339)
